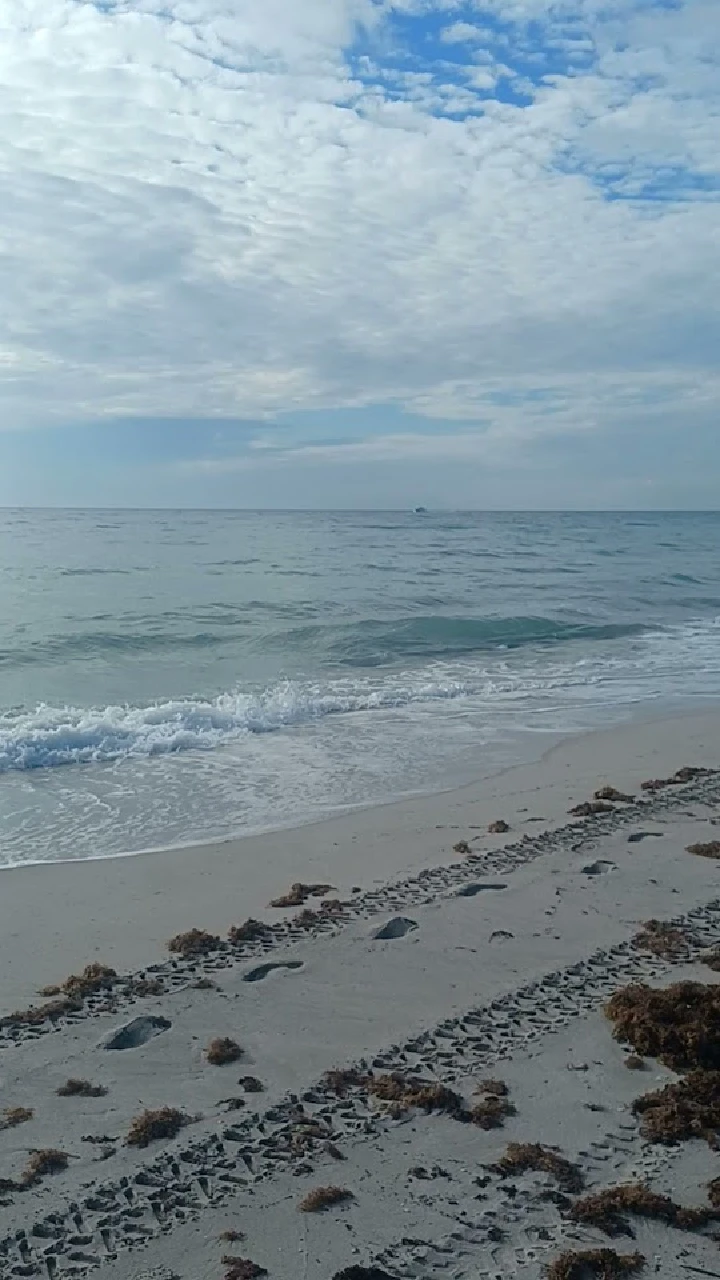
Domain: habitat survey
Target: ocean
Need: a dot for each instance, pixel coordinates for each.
(168, 677)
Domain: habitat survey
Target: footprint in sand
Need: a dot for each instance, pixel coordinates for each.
(599, 868)
(262, 970)
(135, 1033)
(470, 890)
(637, 836)
(395, 928)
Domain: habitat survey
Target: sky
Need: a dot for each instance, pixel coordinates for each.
(357, 253)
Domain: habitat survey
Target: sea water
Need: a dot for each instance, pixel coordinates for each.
(169, 677)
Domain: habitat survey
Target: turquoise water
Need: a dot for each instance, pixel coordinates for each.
(169, 676)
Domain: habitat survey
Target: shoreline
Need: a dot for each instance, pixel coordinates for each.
(649, 713)
(112, 908)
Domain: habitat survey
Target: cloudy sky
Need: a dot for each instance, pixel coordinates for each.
(360, 252)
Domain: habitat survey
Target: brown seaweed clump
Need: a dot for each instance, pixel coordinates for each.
(709, 850)
(662, 939)
(42, 1163)
(679, 1025)
(688, 773)
(590, 809)
(402, 1092)
(610, 1210)
(409, 1091)
(714, 1193)
(251, 1084)
(690, 1108)
(612, 794)
(522, 1156)
(323, 1198)
(598, 1264)
(37, 1014)
(143, 987)
(250, 931)
(94, 978)
(362, 1273)
(81, 1089)
(242, 1269)
(462, 846)
(223, 1051)
(193, 944)
(13, 1116)
(499, 828)
(341, 1080)
(150, 1126)
(299, 893)
(493, 1105)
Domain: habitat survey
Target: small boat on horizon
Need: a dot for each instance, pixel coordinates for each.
(419, 511)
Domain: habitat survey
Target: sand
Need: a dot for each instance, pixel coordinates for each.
(452, 966)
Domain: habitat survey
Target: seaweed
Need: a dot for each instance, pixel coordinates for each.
(409, 1091)
(663, 939)
(221, 1052)
(493, 1107)
(610, 1210)
(690, 1108)
(323, 1198)
(242, 1269)
(709, 850)
(299, 893)
(688, 773)
(250, 931)
(601, 1264)
(94, 977)
(362, 1273)
(340, 1080)
(679, 1025)
(41, 1163)
(81, 1089)
(193, 944)
(13, 1116)
(150, 1126)
(521, 1156)
(37, 1014)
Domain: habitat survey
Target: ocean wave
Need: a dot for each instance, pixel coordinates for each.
(50, 737)
(373, 642)
(370, 642)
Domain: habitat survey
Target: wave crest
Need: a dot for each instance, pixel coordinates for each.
(53, 736)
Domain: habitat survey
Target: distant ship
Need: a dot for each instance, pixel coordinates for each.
(420, 511)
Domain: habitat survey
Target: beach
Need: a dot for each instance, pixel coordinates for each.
(424, 948)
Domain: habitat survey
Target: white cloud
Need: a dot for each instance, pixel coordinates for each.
(463, 33)
(205, 212)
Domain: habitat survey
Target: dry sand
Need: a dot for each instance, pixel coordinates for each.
(495, 962)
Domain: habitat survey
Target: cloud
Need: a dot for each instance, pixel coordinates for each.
(245, 210)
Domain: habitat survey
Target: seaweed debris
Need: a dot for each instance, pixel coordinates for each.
(689, 1108)
(521, 1156)
(610, 1210)
(600, 1264)
(679, 1025)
